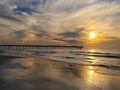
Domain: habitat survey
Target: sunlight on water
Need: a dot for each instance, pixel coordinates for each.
(91, 67)
(92, 50)
(33, 73)
(99, 58)
(28, 62)
(91, 72)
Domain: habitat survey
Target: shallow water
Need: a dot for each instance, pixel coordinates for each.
(40, 74)
(108, 59)
(105, 61)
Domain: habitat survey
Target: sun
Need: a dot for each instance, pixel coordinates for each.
(92, 35)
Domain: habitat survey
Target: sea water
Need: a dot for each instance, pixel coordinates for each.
(104, 61)
(95, 69)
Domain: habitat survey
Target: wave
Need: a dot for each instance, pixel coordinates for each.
(97, 54)
(108, 66)
(81, 58)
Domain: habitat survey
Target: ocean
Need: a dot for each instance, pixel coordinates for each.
(56, 69)
(105, 61)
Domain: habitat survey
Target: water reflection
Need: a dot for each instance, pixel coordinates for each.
(92, 50)
(91, 71)
(28, 62)
(41, 74)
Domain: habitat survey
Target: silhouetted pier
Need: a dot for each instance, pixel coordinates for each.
(37, 47)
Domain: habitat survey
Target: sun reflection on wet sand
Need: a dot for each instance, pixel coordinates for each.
(37, 73)
(28, 62)
(91, 71)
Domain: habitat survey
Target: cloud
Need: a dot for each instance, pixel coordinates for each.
(42, 33)
(18, 34)
(72, 42)
(68, 21)
(6, 14)
(72, 34)
(27, 6)
(109, 1)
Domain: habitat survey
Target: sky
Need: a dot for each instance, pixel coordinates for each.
(60, 22)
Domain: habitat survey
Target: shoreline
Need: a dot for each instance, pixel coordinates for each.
(35, 73)
(70, 64)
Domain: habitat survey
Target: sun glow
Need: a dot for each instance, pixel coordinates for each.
(92, 35)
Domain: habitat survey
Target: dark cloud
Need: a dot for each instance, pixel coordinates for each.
(18, 34)
(72, 41)
(70, 34)
(39, 30)
(73, 34)
(42, 33)
(6, 14)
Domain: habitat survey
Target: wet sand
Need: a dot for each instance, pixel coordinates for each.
(41, 74)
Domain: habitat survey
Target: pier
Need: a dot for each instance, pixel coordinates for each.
(37, 47)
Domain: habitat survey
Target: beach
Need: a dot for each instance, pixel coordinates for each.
(35, 73)
(59, 44)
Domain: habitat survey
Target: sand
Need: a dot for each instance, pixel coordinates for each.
(42, 74)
